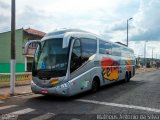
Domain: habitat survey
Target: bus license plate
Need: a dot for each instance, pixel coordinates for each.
(44, 91)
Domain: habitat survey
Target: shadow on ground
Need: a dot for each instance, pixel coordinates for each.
(118, 87)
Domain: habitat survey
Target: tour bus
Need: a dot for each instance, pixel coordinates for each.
(71, 61)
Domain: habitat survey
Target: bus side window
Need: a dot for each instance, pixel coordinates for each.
(76, 56)
(116, 50)
(89, 48)
(82, 50)
(105, 47)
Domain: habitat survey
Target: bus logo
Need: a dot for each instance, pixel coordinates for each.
(110, 69)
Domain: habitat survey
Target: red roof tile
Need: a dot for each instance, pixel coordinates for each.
(34, 32)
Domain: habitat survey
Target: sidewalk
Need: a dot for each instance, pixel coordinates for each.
(22, 84)
(143, 70)
(24, 87)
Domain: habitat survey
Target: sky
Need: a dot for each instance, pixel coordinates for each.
(106, 18)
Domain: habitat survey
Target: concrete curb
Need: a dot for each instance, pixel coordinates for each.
(18, 83)
(3, 97)
(7, 96)
(20, 94)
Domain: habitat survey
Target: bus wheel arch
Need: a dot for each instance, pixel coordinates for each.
(95, 84)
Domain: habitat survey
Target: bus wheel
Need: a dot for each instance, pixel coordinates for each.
(95, 85)
(126, 78)
(129, 77)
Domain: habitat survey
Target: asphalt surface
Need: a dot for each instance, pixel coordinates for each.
(138, 97)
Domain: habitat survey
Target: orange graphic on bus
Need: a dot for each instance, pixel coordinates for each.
(128, 64)
(110, 69)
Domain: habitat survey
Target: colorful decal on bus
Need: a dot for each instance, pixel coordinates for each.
(128, 63)
(110, 69)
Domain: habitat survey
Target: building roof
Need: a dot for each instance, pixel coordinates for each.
(34, 32)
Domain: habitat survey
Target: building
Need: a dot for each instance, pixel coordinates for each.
(23, 63)
(148, 62)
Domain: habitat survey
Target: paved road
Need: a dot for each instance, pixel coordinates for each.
(140, 96)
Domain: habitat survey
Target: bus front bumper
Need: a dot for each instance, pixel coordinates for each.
(60, 90)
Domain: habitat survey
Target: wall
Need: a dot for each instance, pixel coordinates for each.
(5, 44)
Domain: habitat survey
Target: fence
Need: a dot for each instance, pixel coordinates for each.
(19, 77)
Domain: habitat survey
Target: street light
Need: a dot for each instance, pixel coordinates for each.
(127, 29)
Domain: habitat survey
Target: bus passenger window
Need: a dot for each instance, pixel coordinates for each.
(105, 47)
(116, 50)
(89, 48)
(82, 50)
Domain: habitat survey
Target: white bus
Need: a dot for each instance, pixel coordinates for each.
(71, 61)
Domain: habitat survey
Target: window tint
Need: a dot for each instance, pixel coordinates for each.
(89, 47)
(105, 47)
(128, 55)
(127, 52)
(76, 55)
(116, 50)
(82, 50)
(77, 48)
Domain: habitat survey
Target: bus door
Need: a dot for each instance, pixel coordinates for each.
(80, 66)
(78, 79)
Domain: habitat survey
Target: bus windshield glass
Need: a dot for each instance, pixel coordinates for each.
(52, 57)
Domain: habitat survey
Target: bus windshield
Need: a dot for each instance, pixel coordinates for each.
(52, 57)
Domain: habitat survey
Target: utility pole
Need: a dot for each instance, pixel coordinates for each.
(144, 54)
(13, 56)
(127, 32)
(127, 29)
(152, 57)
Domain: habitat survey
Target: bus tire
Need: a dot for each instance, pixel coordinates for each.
(129, 77)
(126, 79)
(95, 85)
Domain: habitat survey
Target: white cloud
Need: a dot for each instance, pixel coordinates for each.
(104, 17)
(4, 16)
(72, 13)
(146, 21)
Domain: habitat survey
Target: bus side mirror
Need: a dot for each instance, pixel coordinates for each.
(29, 44)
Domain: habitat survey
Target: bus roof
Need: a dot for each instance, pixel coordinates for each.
(64, 31)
